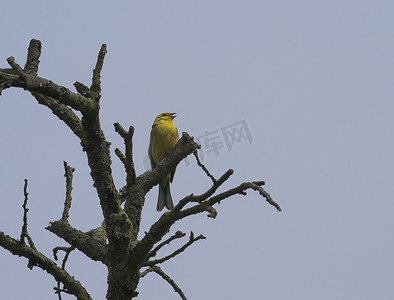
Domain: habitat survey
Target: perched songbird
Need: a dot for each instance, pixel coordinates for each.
(163, 137)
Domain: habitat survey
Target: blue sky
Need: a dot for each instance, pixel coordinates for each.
(313, 81)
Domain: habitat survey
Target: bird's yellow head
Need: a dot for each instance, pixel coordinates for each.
(164, 118)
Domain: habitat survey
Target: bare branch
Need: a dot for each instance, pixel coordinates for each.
(145, 272)
(128, 161)
(95, 88)
(48, 88)
(67, 251)
(59, 292)
(161, 227)
(17, 68)
(204, 167)
(121, 156)
(167, 278)
(241, 190)
(24, 233)
(83, 89)
(192, 239)
(256, 185)
(40, 260)
(57, 249)
(45, 91)
(33, 56)
(68, 173)
(207, 205)
(177, 235)
(207, 194)
(212, 212)
(93, 248)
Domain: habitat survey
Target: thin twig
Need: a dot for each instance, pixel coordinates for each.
(192, 239)
(24, 232)
(68, 173)
(95, 88)
(67, 251)
(241, 189)
(40, 260)
(204, 167)
(59, 290)
(205, 204)
(177, 235)
(256, 186)
(207, 194)
(25, 210)
(66, 257)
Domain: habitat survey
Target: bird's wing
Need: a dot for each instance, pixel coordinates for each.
(152, 161)
(173, 171)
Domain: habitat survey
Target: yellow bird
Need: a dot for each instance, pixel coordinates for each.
(163, 138)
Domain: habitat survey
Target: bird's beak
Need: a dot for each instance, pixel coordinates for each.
(172, 115)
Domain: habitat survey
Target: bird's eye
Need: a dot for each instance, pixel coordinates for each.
(164, 115)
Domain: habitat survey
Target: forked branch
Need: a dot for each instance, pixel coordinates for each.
(96, 249)
(192, 239)
(127, 159)
(67, 251)
(205, 203)
(36, 258)
(177, 235)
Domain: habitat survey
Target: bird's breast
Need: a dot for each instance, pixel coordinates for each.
(163, 140)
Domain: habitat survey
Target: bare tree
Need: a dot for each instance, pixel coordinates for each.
(115, 243)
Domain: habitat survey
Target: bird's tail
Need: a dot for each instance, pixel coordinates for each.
(165, 198)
